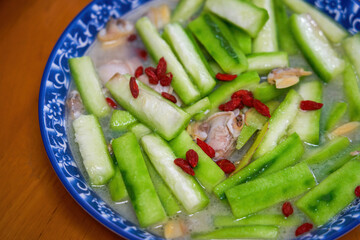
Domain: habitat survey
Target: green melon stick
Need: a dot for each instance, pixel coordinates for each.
(157, 48)
(258, 219)
(263, 63)
(332, 195)
(285, 37)
(337, 112)
(199, 107)
(266, 92)
(351, 46)
(241, 13)
(185, 188)
(116, 186)
(137, 180)
(328, 150)
(93, 149)
(246, 133)
(352, 91)
(223, 93)
(186, 9)
(150, 108)
(280, 120)
(286, 154)
(315, 47)
(269, 190)
(207, 172)
(267, 39)
(166, 197)
(120, 120)
(256, 232)
(215, 67)
(242, 38)
(188, 52)
(219, 42)
(307, 123)
(333, 31)
(88, 83)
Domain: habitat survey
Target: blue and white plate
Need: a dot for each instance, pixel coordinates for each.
(74, 41)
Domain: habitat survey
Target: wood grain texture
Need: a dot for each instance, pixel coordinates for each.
(34, 204)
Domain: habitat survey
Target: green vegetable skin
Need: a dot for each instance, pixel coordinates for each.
(307, 123)
(93, 149)
(266, 191)
(284, 155)
(316, 48)
(185, 188)
(241, 13)
(351, 46)
(242, 38)
(185, 9)
(199, 107)
(161, 115)
(120, 120)
(88, 83)
(191, 57)
(257, 232)
(219, 42)
(332, 195)
(258, 219)
(352, 91)
(263, 63)
(138, 183)
(336, 113)
(266, 92)
(207, 171)
(157, 48)
(117, 187)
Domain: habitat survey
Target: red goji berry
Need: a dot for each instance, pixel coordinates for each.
(111, 103)
(132, 38)
(226, 166)
(261, 108)
(150, 72)
(142, 53)
(206, 148)
(241, 93)
(169, 97)
(166, 79)
(247, 100)
(184, 165)
(231, 105)
(225, 77)
(192, 157)
(139, 71)
(357, 191)
(287, 209)
(308, 105)
(161, 68)
(303, 229)
(134, 88)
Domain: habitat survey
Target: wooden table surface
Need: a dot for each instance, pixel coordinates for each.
(34, 204)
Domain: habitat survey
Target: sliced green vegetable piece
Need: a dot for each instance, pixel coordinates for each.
(266, 40)
(120, 120)
(284, 155)
(263, 63)
(255, 119)
(117, 187)
(337, 112)
(183, 186)
(333, 31)
(315, 47)
(207, 171)
(332, 195)
(258, 219)
(242, 38)
(243, 14)
(307, 123)
(158, 48)
(352, 91)
(266, 92)
(191, 57)
(266, 191)
(331, 148)
(256, 232)
(185, 9)
(246, 133)
(280, 120)
(161, 115)
(138, 183)
(352, 49)
(140, 130)
(218, 40)
(88, 83)
(199, 107)
(93, 149)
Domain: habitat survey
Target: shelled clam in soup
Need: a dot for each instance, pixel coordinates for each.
(220, 119)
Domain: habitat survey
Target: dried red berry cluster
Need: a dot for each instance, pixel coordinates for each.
(309, 105)
(287, 210)
(159, 74)
(191, 162)
(243, 98)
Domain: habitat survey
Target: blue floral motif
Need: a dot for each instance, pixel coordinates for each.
(75, 40)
